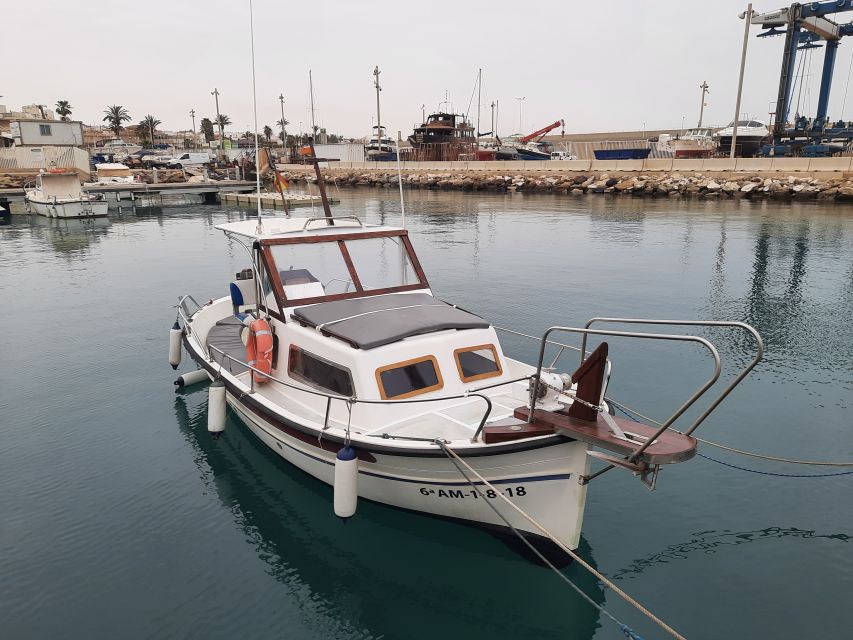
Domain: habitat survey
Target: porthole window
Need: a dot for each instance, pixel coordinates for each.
(476, 363)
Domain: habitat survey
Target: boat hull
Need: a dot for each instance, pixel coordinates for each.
(544, 482)
(70, 209)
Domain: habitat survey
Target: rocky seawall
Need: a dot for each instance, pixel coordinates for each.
(832, 187)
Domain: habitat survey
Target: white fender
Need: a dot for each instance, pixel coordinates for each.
(346, 482)
(216, 408)
(175, 334)
(191, 377)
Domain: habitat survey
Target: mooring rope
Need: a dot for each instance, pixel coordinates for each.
(457, 461)
(631, 413)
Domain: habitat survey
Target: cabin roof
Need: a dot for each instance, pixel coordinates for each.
(295, 227)
(370, 322)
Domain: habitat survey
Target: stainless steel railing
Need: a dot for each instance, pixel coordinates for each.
(586, 331)
(353, 400)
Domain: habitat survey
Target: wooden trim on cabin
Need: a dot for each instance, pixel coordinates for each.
(416, 265)
(350, 266)
(274, 279)
(406, 363)
(479, 376)
(359, 235)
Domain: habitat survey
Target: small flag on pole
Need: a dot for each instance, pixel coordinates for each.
(280, 183)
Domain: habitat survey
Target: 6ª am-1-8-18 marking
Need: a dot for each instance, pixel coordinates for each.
(512, 492)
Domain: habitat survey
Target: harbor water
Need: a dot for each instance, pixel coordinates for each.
(121, 517)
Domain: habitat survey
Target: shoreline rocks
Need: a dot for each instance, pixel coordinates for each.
(829, 188)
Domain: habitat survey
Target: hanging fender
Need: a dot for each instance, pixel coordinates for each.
(259, 348)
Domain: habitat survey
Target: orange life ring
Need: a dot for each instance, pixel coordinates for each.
(259, 349)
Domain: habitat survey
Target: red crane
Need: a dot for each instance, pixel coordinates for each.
(541, 133)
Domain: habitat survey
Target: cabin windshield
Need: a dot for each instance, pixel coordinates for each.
(337, 267)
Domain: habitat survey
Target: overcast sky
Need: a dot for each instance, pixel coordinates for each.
(602, 66)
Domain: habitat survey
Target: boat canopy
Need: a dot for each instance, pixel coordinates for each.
(367, 323)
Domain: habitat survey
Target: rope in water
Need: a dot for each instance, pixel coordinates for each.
(630, 633)
(600, 576)
(628, 411)
(781, 475)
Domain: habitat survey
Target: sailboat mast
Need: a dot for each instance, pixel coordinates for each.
(311, 91)
(376, 73)
(479, 91)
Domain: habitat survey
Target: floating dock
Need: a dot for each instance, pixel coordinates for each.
(273, 200)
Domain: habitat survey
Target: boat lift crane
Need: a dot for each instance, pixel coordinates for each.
(545, 130)
(803, 25)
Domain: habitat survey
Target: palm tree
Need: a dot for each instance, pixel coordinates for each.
(283, 135)
(207, 129)
(147, 126)
(114, 115)
(63, 108)
(267, 132)
(222, 121)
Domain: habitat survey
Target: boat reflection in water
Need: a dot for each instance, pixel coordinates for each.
(382, 571)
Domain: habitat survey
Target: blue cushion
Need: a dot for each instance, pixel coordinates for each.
(236, 295)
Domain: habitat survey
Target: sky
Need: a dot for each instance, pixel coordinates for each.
(600, 66)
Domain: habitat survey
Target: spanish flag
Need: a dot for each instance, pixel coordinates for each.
(280, 183)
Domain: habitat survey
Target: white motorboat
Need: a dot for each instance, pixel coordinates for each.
(334, 351)
(694, 143)
(58, 194)
(113, 173)
(751, 134)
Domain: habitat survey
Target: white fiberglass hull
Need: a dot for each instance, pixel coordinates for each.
(69, 209)
(544, 482)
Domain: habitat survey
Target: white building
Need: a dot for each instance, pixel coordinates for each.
(29, 133)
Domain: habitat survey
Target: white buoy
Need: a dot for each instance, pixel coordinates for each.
(191, 377)
(346, 482)
(216, 408)
(175, 334)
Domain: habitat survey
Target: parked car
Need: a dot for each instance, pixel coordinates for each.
(189, 160)
(562, 155)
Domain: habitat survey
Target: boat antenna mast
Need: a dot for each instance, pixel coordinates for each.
(255, 108)
(479, 92)
(311, 95)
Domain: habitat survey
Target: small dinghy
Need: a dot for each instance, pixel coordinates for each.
(333, 349)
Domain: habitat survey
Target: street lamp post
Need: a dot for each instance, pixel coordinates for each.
(520, 102)
(283, 131)
(215, 94)
(746, 17)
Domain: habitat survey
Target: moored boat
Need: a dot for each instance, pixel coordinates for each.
(334, 351)
(57, 194)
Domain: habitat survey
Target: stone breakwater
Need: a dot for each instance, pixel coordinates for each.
(832, 187)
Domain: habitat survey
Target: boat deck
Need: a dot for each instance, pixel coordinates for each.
(225, 335)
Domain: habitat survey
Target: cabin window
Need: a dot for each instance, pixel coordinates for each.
(319, 372)
(409, 378)
(312, 270)
(381, 262)
(44, 129)
(476, 363)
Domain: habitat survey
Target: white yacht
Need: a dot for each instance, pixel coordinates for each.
(58, 194)
(751, 134)
(693, 143)
(334, 350)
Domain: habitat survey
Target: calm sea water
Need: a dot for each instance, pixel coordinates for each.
(122, 518)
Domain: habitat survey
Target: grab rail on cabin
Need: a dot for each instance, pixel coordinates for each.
(326, 219)
(641, 335)
(354, 400)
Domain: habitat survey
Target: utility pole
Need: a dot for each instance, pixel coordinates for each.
(192, 115)
(520, 102)
(283, 131)
(215, 93)
(704, 86)
(376, 73)
(311, 88)
(746, 16)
